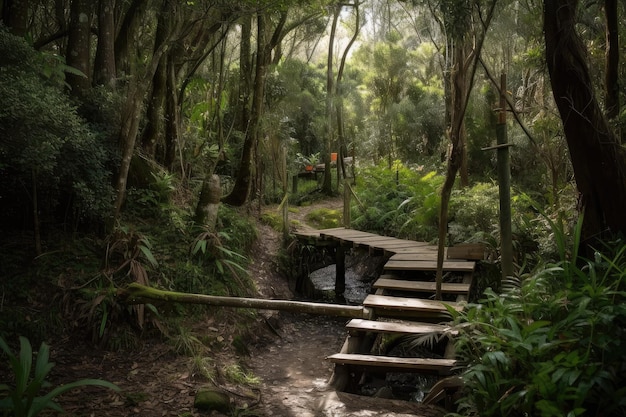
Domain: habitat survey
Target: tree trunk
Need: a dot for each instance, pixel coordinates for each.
(245, 72)
(104, 62)
(327, 186)
(15, 16)
(172, 119)
(343, 150)
(209, 202)
(131, 112)
(241, 190)
(139, 294)
(597, 158)
(612, 60)
(126, 37)
(78, 46)
(459, 95)
(153, 132)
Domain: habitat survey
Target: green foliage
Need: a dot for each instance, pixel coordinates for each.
(46, 144)
(324, 218)
(397, 202)
(551, 343)
(23, 398)
(222, 252)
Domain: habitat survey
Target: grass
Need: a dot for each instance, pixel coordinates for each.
(324, 218)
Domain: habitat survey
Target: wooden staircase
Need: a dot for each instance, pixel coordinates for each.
(402, 305)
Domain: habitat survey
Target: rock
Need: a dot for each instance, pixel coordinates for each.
(384, 392)
(212, 400)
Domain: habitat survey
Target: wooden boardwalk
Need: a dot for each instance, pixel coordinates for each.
(402, 302)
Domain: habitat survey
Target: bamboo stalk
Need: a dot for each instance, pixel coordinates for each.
(140, 294)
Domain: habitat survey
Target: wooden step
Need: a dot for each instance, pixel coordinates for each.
(414, 306)
(420, 286)
(395, 364)
(395, 327)
(427, 265)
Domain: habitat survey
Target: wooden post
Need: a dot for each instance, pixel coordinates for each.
(504, 179)
(347, 198)
(340, 271)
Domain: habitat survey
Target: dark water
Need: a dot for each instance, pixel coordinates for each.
(357, 288)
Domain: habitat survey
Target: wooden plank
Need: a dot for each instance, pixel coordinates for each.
(345, 233)
(396, 327)
(474, 251)
(408, 304)
(416, 256)
(421, 286)
(428, 265)
(439, 366)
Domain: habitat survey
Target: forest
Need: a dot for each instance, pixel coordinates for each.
(141, 141)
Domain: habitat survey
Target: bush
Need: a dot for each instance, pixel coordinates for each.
(48, 154)
(551, 343)
(399, 202)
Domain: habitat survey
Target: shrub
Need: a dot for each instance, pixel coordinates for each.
(48, 154)
(398, 202)
(551, 343)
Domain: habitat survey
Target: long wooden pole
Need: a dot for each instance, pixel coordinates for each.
(504, 179)
(140, 294)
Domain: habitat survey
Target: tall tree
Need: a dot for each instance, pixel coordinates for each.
(79, 46)
(598, 159)
(241, 189)
(612, 60)
(465, 61)
(330, 92)
(137, 89)
(104, 61)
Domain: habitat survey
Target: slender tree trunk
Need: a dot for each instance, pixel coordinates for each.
(131, 112)
(245, 72)
(598, 160)
(126, 37)
(343, 151)
(241, 190)
(153, 132)
(459, 95)
(104, 62)
(78, 46)
(612, 60)
(172, 119)
(327, 187)
(465, 62)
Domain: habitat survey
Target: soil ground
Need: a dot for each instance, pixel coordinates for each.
(285, 353)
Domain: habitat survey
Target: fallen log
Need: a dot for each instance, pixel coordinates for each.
(140, 294)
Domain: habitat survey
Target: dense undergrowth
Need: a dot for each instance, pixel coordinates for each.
(551, 342)
(546, 342)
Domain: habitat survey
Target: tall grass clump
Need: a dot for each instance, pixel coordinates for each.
(551, 343)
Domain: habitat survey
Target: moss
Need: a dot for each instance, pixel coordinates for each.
(212, 400)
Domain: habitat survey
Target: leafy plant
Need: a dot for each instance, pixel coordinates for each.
(128, 256)
(22, 398)
(210, 244)
(551, 343)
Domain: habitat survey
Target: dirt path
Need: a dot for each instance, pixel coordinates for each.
(293, 370)
(289, 363)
